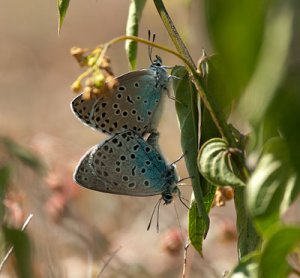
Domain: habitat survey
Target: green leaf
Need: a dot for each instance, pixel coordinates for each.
(247, 267)
(284, 113)
(218, 87)
(266, 189)
(237, 36)
(132, 29)
(24, 155)
(216, 165)
(266, 79)
(62, 6)
(187, 113)
(22, 251)
(4, 179)
(273, 263)
(196, 226)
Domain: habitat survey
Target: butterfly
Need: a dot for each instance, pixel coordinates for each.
(133, 104)
(126, 164)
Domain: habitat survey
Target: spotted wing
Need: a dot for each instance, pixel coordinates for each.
(131, 105)
(130, 165)
(85, 176)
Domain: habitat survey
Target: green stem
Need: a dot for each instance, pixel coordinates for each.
(248, 238)
(137, 39)
(179, 44)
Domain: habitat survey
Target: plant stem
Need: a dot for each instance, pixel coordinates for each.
(179, 44)
(248, 238)
(137, 39)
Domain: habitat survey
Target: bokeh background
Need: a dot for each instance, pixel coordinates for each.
(76, 232)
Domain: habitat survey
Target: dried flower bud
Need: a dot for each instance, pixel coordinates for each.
(78, 54)
(99, 80)
(91, 60)
(76, 86)
(77, 51)
(87, 93)
(89, 82)
(111, 82)
(222, 195)
(95, 91)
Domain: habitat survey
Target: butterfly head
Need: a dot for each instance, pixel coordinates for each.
(171, 187)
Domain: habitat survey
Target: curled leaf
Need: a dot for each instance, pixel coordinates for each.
(216, 165)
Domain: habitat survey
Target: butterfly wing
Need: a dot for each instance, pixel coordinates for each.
(129, 166)
(131, 105)
(82, 108)
(85, 176)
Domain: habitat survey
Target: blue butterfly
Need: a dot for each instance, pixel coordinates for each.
(135, 103)
(126, 164)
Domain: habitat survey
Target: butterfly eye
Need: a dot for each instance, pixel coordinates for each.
(167, 197)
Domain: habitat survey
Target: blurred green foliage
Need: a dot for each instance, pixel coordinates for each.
(11, 154)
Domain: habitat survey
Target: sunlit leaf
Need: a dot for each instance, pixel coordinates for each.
(284, 113)
(266, 188)
(236, 35)
(62, 6)
(267, 77)
(132, 29)
(247, 267)
(216, 165)
(273, 263)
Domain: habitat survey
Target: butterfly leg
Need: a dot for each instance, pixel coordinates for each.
(169, 93)
(153, 138)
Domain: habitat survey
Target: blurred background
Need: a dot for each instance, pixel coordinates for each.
(76, 232)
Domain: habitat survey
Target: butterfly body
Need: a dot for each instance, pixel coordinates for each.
(133, 104)
(125, 164)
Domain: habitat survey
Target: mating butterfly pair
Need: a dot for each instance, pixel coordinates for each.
(125, 163)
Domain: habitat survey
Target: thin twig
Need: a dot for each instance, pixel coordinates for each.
(185, 259)
(12, 248)
(108, 261)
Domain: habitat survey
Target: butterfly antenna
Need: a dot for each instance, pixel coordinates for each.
(157, 218)
(177, 160)
(190, 177)
(149, 46)
(157, 204)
